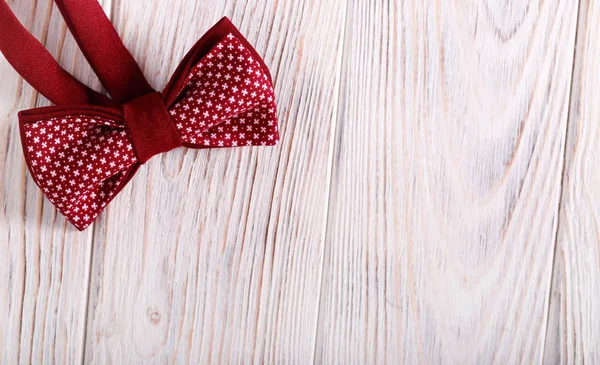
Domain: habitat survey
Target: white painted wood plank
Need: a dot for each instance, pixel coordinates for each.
(215, 256)
(573, 335)
(45, 262)
(446, 182)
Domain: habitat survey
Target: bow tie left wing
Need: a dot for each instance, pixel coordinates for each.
(79, 157)
(226, 100)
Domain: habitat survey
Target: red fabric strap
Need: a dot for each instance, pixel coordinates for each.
(37, 66)
(104, 50)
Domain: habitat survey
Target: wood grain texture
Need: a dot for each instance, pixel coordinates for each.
(446, 182)
(216, 256)
(574, 331)
(44, 262)
(413, 212)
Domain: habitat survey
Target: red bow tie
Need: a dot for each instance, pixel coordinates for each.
(85, 149)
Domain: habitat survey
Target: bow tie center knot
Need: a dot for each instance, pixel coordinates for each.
(150, 127)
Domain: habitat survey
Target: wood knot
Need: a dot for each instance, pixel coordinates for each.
(153, 316)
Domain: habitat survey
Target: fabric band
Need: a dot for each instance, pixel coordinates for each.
(101, 45)
(104, 49)
(151, 129)
(37, 66)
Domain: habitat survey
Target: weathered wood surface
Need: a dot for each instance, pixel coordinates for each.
(446, 182)
(215, 256)
(573, 335)
(415, 211)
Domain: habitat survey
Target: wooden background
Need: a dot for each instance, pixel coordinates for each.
(434, 199)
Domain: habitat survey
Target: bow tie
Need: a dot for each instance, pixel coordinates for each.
(82, 154)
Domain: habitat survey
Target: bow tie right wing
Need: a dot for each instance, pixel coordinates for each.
(222, 94)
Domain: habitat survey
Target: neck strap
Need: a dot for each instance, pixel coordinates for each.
(104, 50)
(37, 66)
(100, 44)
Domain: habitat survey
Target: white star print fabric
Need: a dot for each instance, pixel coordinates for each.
(228, 101)
(78, 162)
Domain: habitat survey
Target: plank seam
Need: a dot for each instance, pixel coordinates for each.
(35, 99)
(88, 294)
(90, 260)
(335, 142)
(571, 113)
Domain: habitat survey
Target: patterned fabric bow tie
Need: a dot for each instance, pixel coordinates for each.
(85, 149)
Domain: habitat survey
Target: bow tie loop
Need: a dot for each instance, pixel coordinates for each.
(150, 127)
